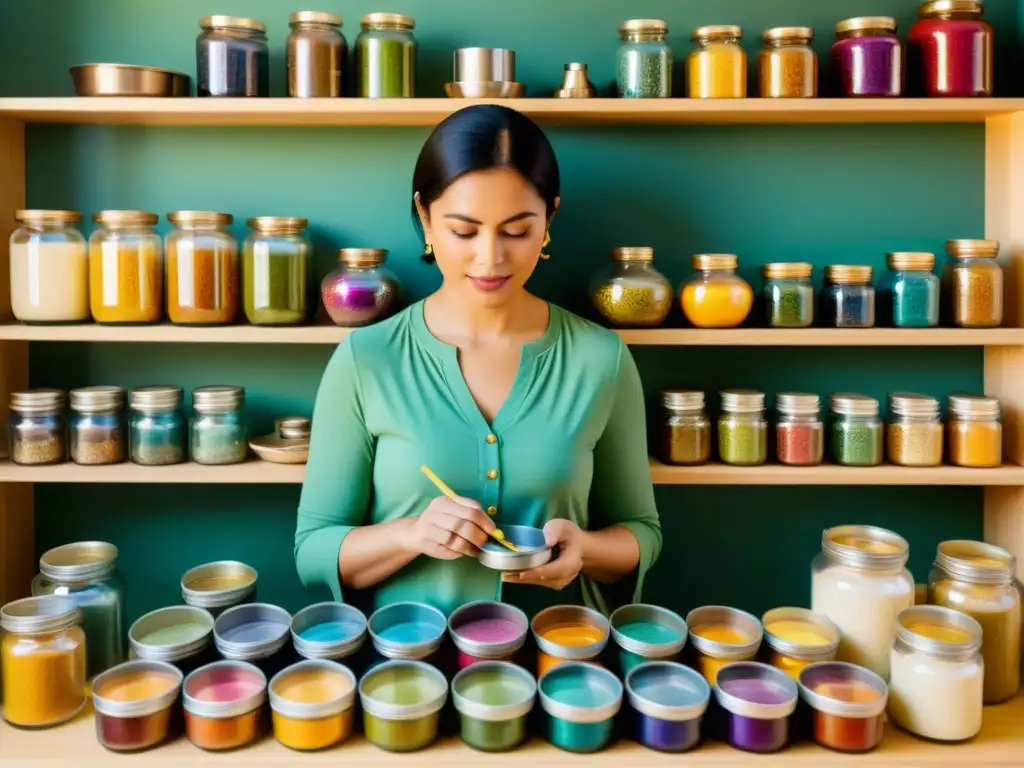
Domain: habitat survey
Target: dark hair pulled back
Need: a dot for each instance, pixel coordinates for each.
(479, 138)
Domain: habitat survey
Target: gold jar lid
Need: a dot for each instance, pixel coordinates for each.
(712, 261)
(865, 23)
(938, 8)
(362, 257)
(972, 249)
(125, 218)
(798, 403)
(976, 562)
(97, 399)
(788, 269)
(796, 34)
(187, 218)
(40, 216)
(912, 261)
(277, 225)
(387, 21)
(633, 253)
(682, 399)
(717, 32)
(155, 399)
(652, 27)
(217, 399)
(850, 404)
(742, 400)
(848, 274)
(314, 17)
(910, 404)
(37, 400)
(977, 406)
(232, 22)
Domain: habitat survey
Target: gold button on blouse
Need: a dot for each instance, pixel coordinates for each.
(491, 439)
(492, 474)
(492, 511)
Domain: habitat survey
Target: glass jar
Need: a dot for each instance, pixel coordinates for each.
(978, 579)
(232, 57)
(42, 655)
(685, 435)
(274, 270)
(126, 268)
(799, 433)
(157, 430)
(848, 297)
(787, 65)
(856, 431)
(952, 48)
(87, 571)
(631, 293)
(362, 290)
(218, 426)
(717, 297)
(37, 432)
(869, 57)
(385, 56)
(97, 427)
(316, 51)
(859, 580)
(49, 268)
(910, 291)
(742, 428)
(972, 284)
(717, 67)
(797, 638)
(202, 269)
(788, 295)
(937, 684)
(974, 434)
(644, 60)
(914, 432)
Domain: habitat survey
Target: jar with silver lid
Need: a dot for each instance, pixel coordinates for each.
(218, 433)
(37, 430)
(857, 437)
(974, 433)
(799, 433)
(97, 425)
(316, 51)
(685, 432)
(157, 430)
(742, 428)
(914, 432)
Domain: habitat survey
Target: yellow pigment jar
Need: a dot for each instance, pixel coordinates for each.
(721, 636)
(797, 637)
(568, 633)
(311, 703)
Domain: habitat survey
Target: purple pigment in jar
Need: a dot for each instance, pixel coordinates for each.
(758, 700)
(869, 57)
(668, 700)
(490, 630)
(361, 291)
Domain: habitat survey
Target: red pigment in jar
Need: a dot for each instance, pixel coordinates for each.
(135, 703)
(952, 49)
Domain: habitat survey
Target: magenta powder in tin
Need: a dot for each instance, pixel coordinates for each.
(225, 685)
(756, 691)
(490, 631)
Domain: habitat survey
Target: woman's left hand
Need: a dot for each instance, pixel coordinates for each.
(563, 570)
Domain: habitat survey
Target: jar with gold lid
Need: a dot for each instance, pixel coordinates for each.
(361, 290)
(49, 268)
(787, 67)
(847, 297)
(952, 48)
(716, 297)
(974, 434)
(742, 428)
(685, 434)
(202, 268)
(97, 425)
(232, 57)
(978, 579)
(914, 432)
(630, 292)
(126, 271)
(788, 294)
(869, 57)
(716, 68)
(910, 292)
(316, 51)
(385, 56)
(644, 60)
(37, 428)
(972, 284)
(275, 264)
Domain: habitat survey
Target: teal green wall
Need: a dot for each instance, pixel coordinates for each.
(825, 194)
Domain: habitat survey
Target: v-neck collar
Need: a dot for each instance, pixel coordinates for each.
(449, 356)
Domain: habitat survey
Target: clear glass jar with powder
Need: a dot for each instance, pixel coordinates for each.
(974, 432)
(49, 268)
(978, 579)
(914, 431)
(684, 436)
(742, 428)
(97, 426)
(937, 684)
(797, 638)
(217, 429)
(859, 580)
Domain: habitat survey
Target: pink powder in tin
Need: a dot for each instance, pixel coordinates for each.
(225, 684)
(490, 631)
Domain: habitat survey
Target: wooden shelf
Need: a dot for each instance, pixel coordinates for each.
(252, 472)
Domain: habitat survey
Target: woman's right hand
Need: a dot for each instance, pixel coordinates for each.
(449, 529)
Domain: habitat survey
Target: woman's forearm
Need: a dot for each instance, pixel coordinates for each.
(372, 553)
(610, 554)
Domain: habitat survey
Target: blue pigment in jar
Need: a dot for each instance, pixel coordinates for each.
(668, 700)
(848, 297)
(332, 631)
(910, 292)
(581, 701)
(157, 429)
(232, 57)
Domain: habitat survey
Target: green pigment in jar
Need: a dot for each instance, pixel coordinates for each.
(385, 56)
(493, 699)
(275, 262)
(685, 433)
(856, 431)
(401, 703)
(631, 293)
(742, 428)
(788, 295)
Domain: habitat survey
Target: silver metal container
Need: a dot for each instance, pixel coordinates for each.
(350, 622)
(755, 670)
(218, 586)
(653, 614)
(516, 682)
(483, 65)
(802, 651)
(733, 617)
(194, 638)
(533, 550)
(196, 703)
(690, 691)
(128, 80)
(602, 687)
(562, 615)
(132, 708)
(431, 691)
(842, 672)
(251, 631)
(298, 710)
(385, 619)
(485, 610)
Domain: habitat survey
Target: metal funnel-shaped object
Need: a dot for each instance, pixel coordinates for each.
(575, 84)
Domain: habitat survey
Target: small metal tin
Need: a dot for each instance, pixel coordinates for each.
(313, 710)
(533, 550)
(78, 563)
(128, 80)
(669, 700)
(721, 614)
(600, 687)
(220, 585)
(797, 650)
(433, 691)
(562, 615)
(251, 631)
(191, 641)
(40, 615)
(131, 708)
(487, 610)
(663, 618)
(483, 65)
(249, 696)
(429, 623)
(842, 672)
(511, 676)
(758, 700)
(346, 635)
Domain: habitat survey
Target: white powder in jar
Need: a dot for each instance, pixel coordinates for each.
(49, 282)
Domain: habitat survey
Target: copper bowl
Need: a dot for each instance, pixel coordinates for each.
(128, 80)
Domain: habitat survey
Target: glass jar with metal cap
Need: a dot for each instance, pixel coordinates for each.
(716, 297)
(937, 684)
(869, 57)
(788, 295)
(97, 425)
(87, 571)
(37, 431)
(914, 432)
(316, 51)
(742, 428)
(978, 579)
(631, 293)
(49, 268)
(910, 292)
(848, 297)
(716, 68)
(860, 582)
(202, 268)
(857, 434)
(799, 433)
(974, 433)
(126, 270)
(217, 431)
(157, 428)
(361, 290)
(797, 638)
(952, 48)
(972, 285)
(685, 434)
(42, 651)
(644, 60)
(385, 56)
(232, 57)
(787, 66)
(275, 265)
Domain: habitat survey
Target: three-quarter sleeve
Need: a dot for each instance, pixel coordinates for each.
(337, 489)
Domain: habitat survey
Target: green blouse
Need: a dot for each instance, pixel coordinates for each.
(570, 441)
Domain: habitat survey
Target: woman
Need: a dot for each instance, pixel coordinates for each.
(533, 415)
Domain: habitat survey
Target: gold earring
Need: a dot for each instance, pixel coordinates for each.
(545, 244)
(428, 249)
